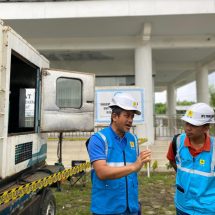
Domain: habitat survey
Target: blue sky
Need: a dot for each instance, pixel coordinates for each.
(187, 92)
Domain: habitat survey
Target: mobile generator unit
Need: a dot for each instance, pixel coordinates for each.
(34, 100)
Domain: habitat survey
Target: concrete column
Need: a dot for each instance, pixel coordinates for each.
(202, 88)
(143, 78)
(171, 109)
(171, 100)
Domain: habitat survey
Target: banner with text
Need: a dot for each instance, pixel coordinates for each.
(103, 99)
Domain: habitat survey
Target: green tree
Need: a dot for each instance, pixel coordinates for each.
(212, 95)
(160, 108)
(185, 103)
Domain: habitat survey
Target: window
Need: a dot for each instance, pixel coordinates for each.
(23, 91)
(69, 93)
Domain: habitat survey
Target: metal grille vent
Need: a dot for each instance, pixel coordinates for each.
(23, 152)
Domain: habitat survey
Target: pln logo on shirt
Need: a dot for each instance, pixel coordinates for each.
(132, 144)
(202, 162)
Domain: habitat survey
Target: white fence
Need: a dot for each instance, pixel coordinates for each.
(164, 125)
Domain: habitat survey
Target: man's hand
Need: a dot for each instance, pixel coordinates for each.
(144, 157)
(105, 171)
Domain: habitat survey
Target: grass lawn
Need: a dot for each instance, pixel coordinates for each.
(155, 193)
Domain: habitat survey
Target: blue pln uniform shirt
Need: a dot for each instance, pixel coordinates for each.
(116, 195)
(195, 180)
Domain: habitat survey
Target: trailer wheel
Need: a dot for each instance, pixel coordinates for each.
(48, 204)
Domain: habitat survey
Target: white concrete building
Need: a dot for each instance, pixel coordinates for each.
(154, 44)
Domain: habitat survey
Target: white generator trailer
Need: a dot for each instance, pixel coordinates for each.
(34, 100)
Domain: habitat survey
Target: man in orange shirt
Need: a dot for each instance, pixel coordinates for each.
(194, 161)
(194, 151)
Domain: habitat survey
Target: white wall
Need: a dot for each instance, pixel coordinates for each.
(105, 8)
(101, 68)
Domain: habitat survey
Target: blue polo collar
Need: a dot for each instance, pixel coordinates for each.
(116, 136)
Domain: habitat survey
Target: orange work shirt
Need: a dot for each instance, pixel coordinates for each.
(194, 152)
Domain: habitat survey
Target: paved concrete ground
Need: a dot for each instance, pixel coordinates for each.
(76, 150)
(71, 150)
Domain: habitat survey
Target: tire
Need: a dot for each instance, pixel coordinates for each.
(48, 204)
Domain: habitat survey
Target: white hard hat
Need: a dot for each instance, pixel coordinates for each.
(199, 114)
(125, 101)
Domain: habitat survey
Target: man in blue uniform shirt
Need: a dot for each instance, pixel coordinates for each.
(195, 163)
(115, 158)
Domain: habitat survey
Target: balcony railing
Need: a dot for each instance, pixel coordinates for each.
(165, 127)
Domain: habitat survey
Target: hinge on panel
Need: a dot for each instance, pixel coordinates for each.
(45, 73)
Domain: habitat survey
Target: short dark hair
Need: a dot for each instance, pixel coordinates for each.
(208, 124)
(116, 110)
